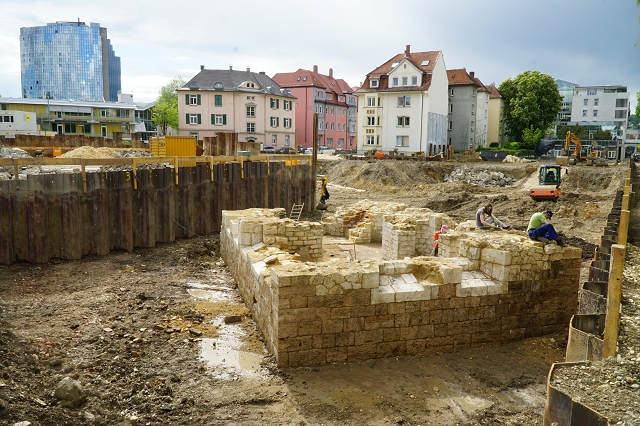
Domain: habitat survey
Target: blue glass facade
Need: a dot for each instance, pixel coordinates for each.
(69, 60)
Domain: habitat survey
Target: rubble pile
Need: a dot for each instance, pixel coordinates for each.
(90, 152)
(514, 159)
(482, 178)
(13, 153)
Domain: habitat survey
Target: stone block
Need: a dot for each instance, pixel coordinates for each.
(308, 357)
(360, 297)
(346, 338)
(337, 354)
(385, 294)
(298, 302)
(324, 341)
(370, 280)
(402, 320)
(353, 324)
(362, 352)
(309, 328)
(368, 336)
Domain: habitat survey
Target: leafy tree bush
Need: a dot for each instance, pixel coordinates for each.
(165, 111)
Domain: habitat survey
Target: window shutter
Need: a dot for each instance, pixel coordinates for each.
(199, 119)
(224, 118)
(188, 119)
(186, 99)
(277, 103)
(213, 119)
(198, 99)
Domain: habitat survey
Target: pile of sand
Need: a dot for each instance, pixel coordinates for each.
(90, 152)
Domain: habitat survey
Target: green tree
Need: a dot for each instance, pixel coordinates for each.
(531, 101)
(638, 102)
(165, 111)
(531, 136)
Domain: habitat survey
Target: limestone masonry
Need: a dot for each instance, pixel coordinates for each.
(316, 309)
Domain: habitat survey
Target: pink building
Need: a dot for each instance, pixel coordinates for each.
(332, 99)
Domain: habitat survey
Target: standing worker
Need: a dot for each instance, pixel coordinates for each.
(436, 236)
(539, 229)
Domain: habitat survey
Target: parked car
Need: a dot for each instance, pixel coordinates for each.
(308, 151)
(268, 149)
(285, 150)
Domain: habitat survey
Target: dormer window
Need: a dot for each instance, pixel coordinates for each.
(218, 85)
(374, 83)
(425, 63)
(194, 85)
(395, 64)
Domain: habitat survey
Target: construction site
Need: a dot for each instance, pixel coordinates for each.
(216, 290)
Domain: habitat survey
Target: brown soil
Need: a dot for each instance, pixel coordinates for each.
(132, 328)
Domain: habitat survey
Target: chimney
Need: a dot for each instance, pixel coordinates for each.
(248, 69)
(230, 67)
(472, 74)
(330, 72)
(407, 51)
(262, 72)
(201, 67)
(315, 68)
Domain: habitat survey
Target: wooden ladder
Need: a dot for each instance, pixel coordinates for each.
(296, 211)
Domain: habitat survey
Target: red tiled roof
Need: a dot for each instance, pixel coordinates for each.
(459, 77)
(417, 59)
(493, 91)
(307, 78)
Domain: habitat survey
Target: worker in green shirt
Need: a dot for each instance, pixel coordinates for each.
(539, 228)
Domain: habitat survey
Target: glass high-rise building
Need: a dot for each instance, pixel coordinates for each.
(69, 60)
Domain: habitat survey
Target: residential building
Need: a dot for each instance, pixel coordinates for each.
(403, 105)
(495, 124)
(248, 103)
(75, 117)
(334, 102)
(69, 61)
(468, 111)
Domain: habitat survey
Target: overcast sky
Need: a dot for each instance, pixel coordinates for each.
(587, 42)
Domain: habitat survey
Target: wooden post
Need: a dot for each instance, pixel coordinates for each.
(314, 161)
(134, 167)
(614, 295)
(16, 169)
(623, 227)
(83, 172)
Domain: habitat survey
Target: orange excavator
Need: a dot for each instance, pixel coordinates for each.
(548, 188)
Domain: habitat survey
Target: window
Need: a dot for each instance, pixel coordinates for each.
(251, 127)
(592, 91)
(286, 140)
(371, 121)
(217, 100)
(340, 142)
(274, 140)
(274, 103)
(332, 111)
(395, 81)
(374, 83)
(194, 119)
(402, 140)
(287, 123)
(450, 125)
(371, 140)
(275, 121)
(595, 112)
(329, 141)
(371, 102)
(218, 119)
(193, 99)
(414, 80)
(404, 101)
(403, 121)
(103, 113)
(251, 111)
(611, 154)
(326, 126)
(86, 128)
(621, 103)
(621, 114)
(473, 109)
(194, 135)
(585, 102)
(584, 112)
(451, 92)
(450, 108)
(405, 81)
(595, 102)
(287, 105)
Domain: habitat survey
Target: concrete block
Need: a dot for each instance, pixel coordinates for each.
(411, 292)
(387, 268)
(409, 278)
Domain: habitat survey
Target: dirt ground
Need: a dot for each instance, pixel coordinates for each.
(161, 337)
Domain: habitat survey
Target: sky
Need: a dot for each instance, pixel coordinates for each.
(587, 42)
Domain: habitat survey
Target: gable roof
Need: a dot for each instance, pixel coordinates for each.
(232, 79)
(425, 62)
(493, 91)
(307, 78)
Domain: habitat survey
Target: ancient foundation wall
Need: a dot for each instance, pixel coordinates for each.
(343, 311)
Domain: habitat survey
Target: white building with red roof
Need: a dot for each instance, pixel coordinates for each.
(404, 105)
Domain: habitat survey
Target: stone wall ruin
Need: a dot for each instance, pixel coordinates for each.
(318, 311)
